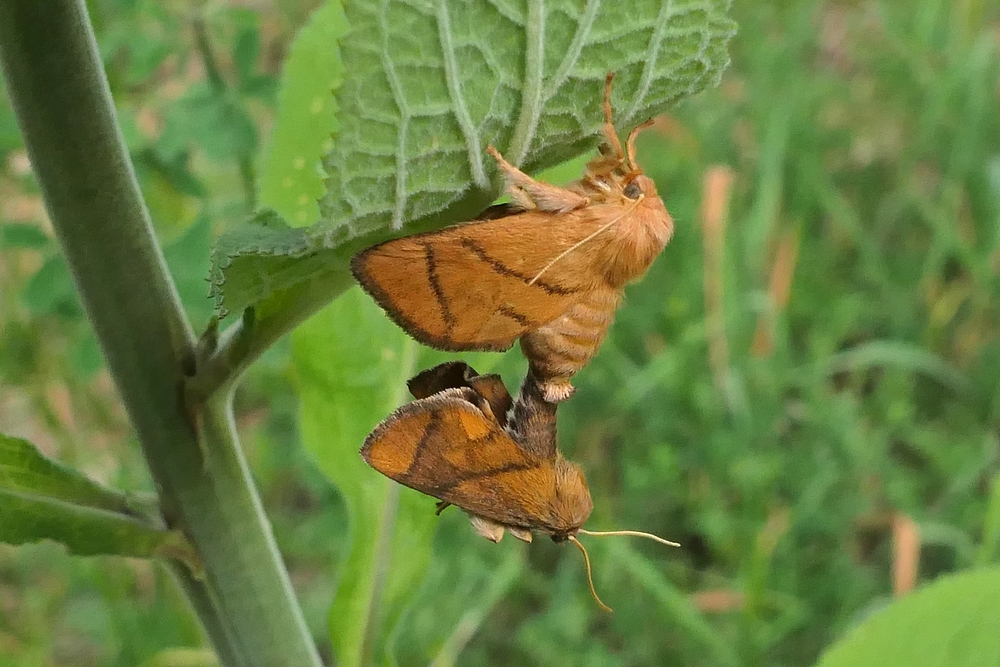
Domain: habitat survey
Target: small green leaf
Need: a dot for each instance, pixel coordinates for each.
(246, 48)
(171, 163)
(953, 621)
(20, 235)
(42, 499)
(85, 354)
(896, 354)
(86, 531)
(217, 124)
(10, 135)
(50, 291)
(183, 657)
(428, 84)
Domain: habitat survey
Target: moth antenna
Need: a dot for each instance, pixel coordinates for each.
(590, 578)
(629, 533)
(584, 240)
(630, 143)
(609, 129)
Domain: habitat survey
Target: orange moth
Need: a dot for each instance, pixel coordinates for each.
(548, 268)
(465, 442)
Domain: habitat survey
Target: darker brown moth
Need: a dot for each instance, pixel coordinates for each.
(548, 268)
(465, 442)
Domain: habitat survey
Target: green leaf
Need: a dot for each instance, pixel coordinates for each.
(351, 364)
(50, 291)
(428, 84)
(896, 354)
(86, 531)
(246, 48)
(21, 235)
(263, 257)
(292, 178)
(170, 163)
(85, 353)
(183, 657)
(953, 622)
(10, 135)
(24, 469)
(217, 124)
(42, 499)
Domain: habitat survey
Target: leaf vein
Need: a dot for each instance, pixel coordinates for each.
(575, 48)
(652, 53)
(472, 141)
(531, 97)
(404, 118)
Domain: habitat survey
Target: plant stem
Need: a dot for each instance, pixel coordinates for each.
(212, 72)
(248, 175)
(63, 105)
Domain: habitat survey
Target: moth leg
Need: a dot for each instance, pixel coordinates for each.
(520, 533)
(442, 505)
(488, 528)
(532, 194)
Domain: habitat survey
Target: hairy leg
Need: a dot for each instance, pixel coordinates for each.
(532, 194)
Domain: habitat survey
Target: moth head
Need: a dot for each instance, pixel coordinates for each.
(638, 186)
(616, 172)
(571, 503)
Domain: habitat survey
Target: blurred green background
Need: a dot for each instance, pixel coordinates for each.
(787, 390)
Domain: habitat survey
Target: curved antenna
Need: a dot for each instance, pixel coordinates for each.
(585, 239)
(609, 129)
(590, 578)
(629, 533)
(630, 143)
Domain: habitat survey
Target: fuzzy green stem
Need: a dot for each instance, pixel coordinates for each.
(63, 105)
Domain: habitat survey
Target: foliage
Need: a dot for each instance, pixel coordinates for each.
(43, 499)
(949, 622)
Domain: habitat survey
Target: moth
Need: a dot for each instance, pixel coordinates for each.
(466, 442)
(547, 268)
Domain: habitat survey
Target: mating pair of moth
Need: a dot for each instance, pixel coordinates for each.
(547, 269)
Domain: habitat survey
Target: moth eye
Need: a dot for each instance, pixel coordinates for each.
(632, 190)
